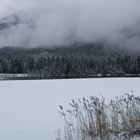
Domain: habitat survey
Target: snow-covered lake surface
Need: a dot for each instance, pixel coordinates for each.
(29, 109)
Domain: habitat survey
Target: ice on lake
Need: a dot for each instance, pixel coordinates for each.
(29, 109)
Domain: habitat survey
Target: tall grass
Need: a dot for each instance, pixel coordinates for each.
(96, 119)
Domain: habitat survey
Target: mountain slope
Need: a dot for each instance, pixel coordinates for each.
(77, 61)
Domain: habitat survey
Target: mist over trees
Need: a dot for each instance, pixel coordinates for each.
(77, 61)
(29, 23)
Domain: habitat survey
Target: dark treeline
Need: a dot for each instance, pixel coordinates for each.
(72, 62)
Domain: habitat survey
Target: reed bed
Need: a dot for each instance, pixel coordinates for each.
(96, 119)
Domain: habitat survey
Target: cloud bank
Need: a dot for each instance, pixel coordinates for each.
(56, 23)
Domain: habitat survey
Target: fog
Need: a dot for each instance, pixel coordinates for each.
(63, 22)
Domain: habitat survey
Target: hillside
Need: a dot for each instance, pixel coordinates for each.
(75, 61)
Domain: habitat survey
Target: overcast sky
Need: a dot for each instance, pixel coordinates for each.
(60, 22)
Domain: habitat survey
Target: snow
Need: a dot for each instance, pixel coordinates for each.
(29, 109)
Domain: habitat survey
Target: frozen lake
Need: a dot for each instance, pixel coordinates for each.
(29, 109)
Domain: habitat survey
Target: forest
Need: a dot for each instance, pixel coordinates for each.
(76, 61)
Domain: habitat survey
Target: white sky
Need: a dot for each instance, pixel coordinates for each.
(63, 21)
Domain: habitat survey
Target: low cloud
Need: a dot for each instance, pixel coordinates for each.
(56, 23)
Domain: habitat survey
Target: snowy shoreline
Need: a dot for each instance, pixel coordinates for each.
(39, 77)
